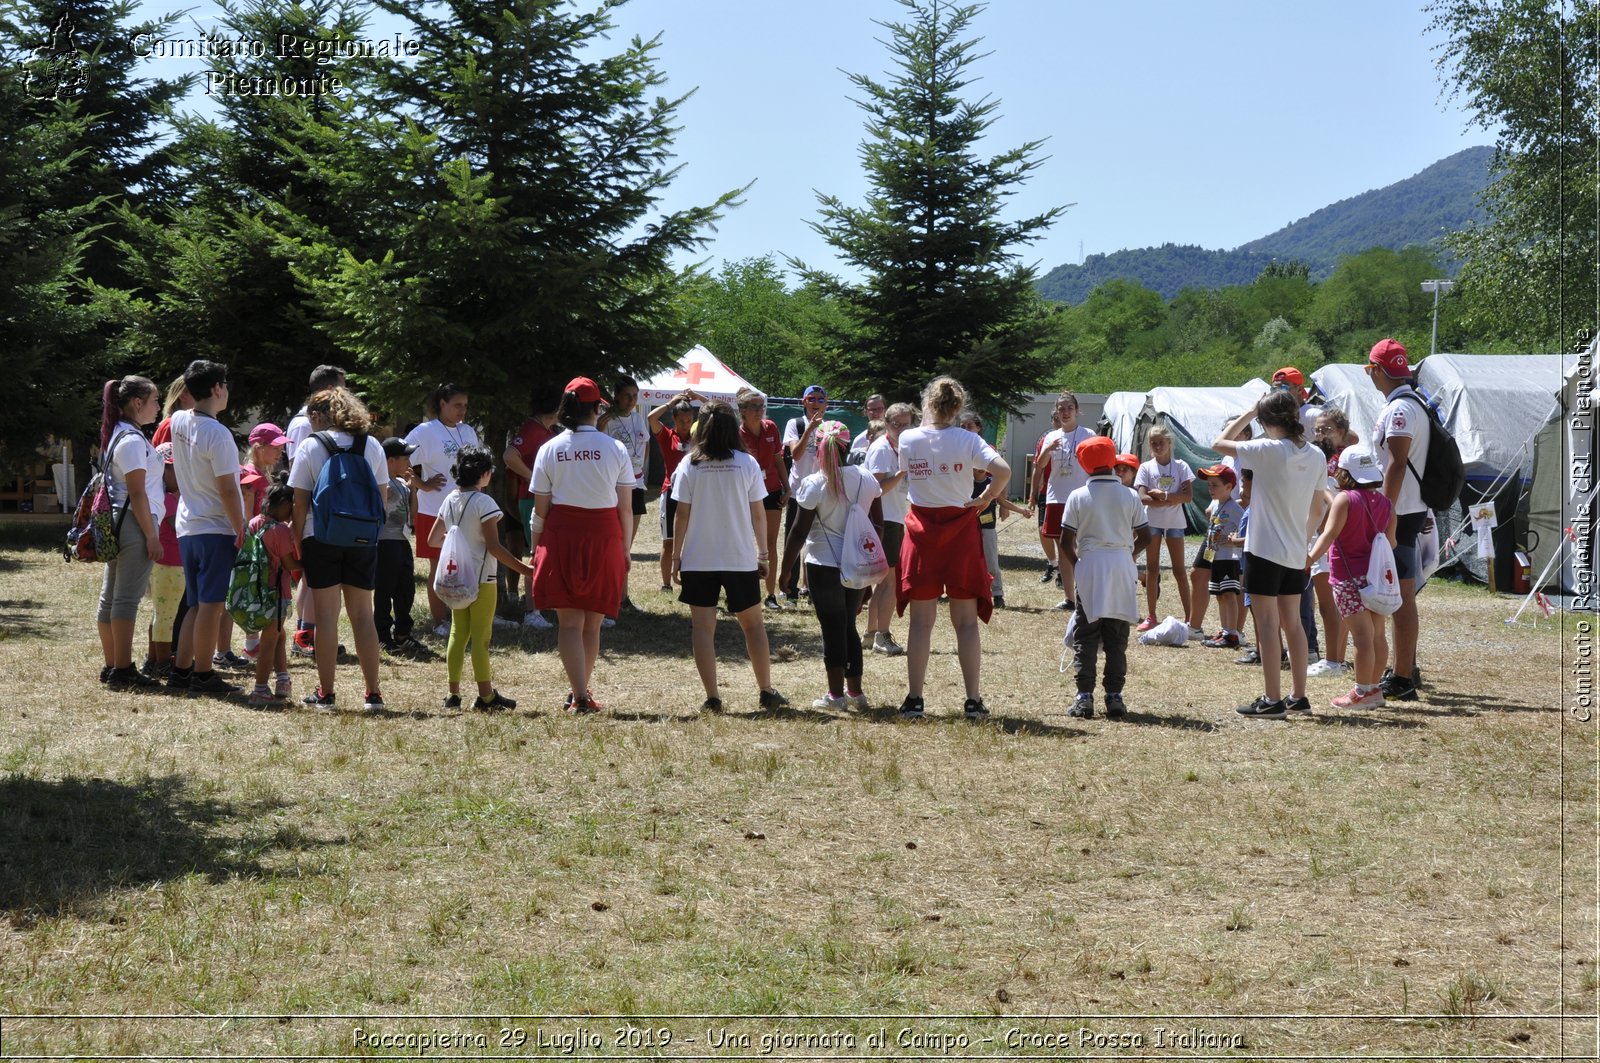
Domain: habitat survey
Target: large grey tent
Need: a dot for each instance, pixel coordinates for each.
(1562, 496)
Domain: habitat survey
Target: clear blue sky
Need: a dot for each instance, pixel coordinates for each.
(1208, 123)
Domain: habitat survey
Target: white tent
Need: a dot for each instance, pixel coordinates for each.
(1201, 412)
(1563, 532)
(1121, 412)
(1347, 386)
(1494, 405)
(698, 369)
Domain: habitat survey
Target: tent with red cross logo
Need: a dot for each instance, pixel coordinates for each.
(698, 370)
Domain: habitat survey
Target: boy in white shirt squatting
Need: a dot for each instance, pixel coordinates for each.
(1102, 526)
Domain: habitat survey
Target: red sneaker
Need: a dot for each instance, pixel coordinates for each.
(1147, 623)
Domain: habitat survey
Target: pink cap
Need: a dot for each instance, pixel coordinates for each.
(267, 434)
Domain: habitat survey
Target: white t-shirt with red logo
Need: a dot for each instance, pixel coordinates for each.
(1404, 417)
(582, 468)
(939, 464)
(1060, 448)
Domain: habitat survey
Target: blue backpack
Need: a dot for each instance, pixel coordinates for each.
(345, 504)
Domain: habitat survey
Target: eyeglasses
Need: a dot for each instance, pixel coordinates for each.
(900, 425)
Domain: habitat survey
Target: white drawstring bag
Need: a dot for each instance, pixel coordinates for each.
(1381, 592)
(1173, 631)
(456, 580)
(861, 560)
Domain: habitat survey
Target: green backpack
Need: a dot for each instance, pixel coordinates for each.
(252, 592)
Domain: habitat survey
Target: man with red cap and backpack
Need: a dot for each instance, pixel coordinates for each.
(1400, 442)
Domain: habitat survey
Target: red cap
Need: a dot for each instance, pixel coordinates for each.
(1289, 375)
(1389, 356)
(1130, 460)
(1097, 452)
(267, 434)
(585, 389)
(1219, 472)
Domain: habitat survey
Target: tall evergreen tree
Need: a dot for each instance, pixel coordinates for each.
(1531, 69)
(511, 172)
(942, 290)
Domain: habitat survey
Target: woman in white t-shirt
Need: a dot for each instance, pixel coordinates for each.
(470, 508)
(943, 551)
(883, 462)
(582, 524)
(719, 537)
(438, 442)
(339, 575)
(823, 501)
(1286, 474)
(132, 470)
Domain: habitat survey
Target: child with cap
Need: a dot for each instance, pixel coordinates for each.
(395, 589)
(1165, 484)
(1221, 554)
(1102, 526)
(1293, 381)
(1360, 512)
(1126, 469)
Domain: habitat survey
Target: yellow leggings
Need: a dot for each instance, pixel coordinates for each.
(475, 622)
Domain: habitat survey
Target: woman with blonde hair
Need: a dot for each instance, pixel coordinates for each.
(823, 501)
(943, 550)
(339, 574)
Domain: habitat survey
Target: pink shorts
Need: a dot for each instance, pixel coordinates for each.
(1347, 595)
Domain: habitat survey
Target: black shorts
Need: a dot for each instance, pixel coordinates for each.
(1202, 558)
(1039, 504)
(705, 588)
(339, 566)
(1225, 577)
(669, 511)
(894, 534)
(773, 502)
(1407, 563)
(639, 499)
(1268, 579)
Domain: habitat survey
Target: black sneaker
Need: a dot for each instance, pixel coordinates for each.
(1115, 708)
(318, 700)
(105, 673)
(1063, 606)
(1395, 689)
(178, 681)
(497, 702)
(911, 708)
(1049, 574)
(771, 602)
(974, 710)
(999, 601)
(715, 704)
(1298, 706)
(129, 678)
(211, 683)
(231, 661)
(373, 702)
(156, 671)
(771, 699)
(452, 701)
(1263, 708)
(1082, 707)
(1250, 656)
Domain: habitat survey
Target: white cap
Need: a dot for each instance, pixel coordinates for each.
(1361, 465)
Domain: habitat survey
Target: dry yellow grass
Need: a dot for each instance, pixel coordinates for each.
(1414, 881)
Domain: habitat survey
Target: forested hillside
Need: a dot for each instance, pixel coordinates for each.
(1418, 211)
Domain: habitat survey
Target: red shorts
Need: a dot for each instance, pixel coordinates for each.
(579, 563)
(424, 526)
(1052, 519)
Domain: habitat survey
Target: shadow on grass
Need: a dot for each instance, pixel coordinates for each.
(68, 842)
(23, 618)
(1462, 704)
(1375, 720)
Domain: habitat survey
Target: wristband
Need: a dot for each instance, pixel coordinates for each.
(535, 524)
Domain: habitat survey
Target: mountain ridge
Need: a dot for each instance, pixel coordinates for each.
(1420, 209)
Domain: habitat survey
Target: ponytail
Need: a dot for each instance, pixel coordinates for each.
(115, 398)
(574, 411)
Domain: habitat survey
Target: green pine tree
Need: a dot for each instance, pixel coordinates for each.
(942, 290)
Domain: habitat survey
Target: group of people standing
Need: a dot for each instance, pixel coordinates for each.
(932, 492)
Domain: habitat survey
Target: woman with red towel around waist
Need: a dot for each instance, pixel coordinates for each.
(582, 523)
(943, 550)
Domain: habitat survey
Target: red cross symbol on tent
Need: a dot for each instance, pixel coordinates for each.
(695, 373)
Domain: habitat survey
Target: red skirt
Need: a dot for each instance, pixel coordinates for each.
(579, 563)
(943, 554)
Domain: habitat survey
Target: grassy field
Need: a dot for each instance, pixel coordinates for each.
(1416, 881)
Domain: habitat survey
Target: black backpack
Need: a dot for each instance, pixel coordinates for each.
(1444, 474)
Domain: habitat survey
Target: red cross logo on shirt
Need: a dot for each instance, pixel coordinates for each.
(695, 373)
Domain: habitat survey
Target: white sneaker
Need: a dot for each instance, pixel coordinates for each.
(442, 631)
(885, 644)
(828, 701)
(1196, 633)
(1322, 667)
(537, 621)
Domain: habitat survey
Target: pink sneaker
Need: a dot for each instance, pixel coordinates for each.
(1372, 699)
(1147, 623)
